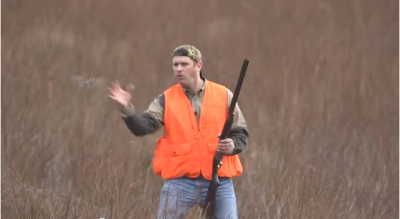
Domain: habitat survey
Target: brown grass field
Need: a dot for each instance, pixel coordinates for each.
(320, 99)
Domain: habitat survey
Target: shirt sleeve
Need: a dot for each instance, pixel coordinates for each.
(148, 121)
(239, 132)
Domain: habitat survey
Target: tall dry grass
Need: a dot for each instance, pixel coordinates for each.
(320, 99)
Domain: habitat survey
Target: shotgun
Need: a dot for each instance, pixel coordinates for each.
(209, 209)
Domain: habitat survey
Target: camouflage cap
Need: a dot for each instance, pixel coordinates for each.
(189, 51)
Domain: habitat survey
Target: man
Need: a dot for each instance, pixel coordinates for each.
(193, 113)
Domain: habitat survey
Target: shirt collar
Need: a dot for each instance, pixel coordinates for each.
(188, 92)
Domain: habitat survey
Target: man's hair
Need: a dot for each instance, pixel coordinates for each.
(188, 51)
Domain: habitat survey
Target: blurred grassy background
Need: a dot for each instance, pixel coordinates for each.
(320, 99)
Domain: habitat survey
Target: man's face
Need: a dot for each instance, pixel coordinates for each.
(186, 70)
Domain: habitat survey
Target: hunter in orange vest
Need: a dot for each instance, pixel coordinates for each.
(193, 113)
(188, 147)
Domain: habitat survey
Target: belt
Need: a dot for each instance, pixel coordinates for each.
(201, 177)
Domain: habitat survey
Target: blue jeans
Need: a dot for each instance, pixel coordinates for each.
(178, 195)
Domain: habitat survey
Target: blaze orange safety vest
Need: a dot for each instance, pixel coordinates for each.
(187, 149)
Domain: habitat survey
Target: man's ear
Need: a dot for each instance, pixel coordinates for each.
(199, 65)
